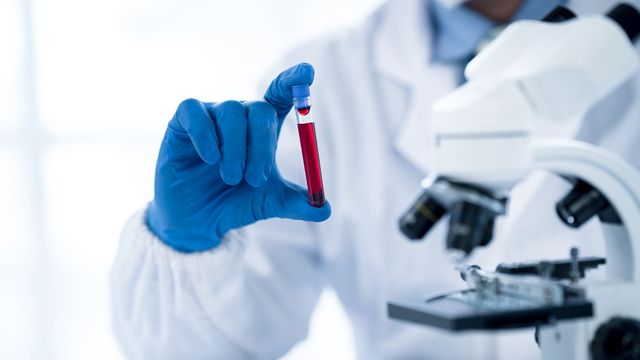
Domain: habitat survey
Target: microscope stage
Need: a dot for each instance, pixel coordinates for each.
(456, 312)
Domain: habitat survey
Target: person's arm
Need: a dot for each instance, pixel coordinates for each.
(250, 297)
(185, 284)
(157, 311)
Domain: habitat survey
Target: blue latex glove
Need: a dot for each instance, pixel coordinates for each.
(216, 169)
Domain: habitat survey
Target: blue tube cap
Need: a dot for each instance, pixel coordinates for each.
(300, 91)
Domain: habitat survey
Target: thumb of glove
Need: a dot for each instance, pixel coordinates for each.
(292, 202)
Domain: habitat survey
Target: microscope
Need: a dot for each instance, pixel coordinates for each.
(482, 146)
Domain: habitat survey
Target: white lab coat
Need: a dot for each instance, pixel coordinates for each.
(253, 296)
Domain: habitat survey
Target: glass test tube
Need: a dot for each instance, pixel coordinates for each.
(309, 145)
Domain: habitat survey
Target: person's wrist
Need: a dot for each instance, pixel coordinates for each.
(177, 239)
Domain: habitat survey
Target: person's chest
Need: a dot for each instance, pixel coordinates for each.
(368, 260)
(371, 182)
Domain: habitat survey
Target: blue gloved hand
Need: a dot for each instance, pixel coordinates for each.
(216, 169)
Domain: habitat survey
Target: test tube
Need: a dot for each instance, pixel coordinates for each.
(308, 143)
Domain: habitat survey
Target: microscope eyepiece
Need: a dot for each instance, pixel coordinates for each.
(421, 216)
(625, 15)
(628, 17)
(559, 14)
(580, 205)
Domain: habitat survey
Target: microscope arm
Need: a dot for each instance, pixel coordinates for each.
(617, 181)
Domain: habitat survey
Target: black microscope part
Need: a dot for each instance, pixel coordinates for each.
(470, 225)
(561, 269)
(628, 17)
(488, 232)
(618, 338)
(466, 269)
(559, 14)
(421, 216)
(624, 14)
(582, 203)
(452, 314)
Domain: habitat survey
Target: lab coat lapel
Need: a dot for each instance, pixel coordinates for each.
(401, 50)
(413, 140)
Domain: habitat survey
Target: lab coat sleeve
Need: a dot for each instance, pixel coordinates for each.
(249, 298)
(237, 301)
(156, 309)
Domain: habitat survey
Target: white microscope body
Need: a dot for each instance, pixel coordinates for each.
(534, 72)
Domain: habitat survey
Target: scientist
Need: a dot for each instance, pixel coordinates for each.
(198, 275)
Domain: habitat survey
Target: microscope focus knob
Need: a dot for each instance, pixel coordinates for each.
(617, 339)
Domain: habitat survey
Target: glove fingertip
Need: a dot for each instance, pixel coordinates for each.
(307, 212)
(319, 214)
(293, 203)
(303, 74)
(212, 156)
(255, 179)
(279, 93)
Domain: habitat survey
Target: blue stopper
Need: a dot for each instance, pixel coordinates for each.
(300, 91)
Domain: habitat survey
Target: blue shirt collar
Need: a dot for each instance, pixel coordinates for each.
(458, 31)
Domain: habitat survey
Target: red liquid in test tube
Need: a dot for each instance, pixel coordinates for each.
(304, 111)
(311, 160)
(309, 145)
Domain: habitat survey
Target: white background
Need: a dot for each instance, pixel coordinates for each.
(86, 91)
